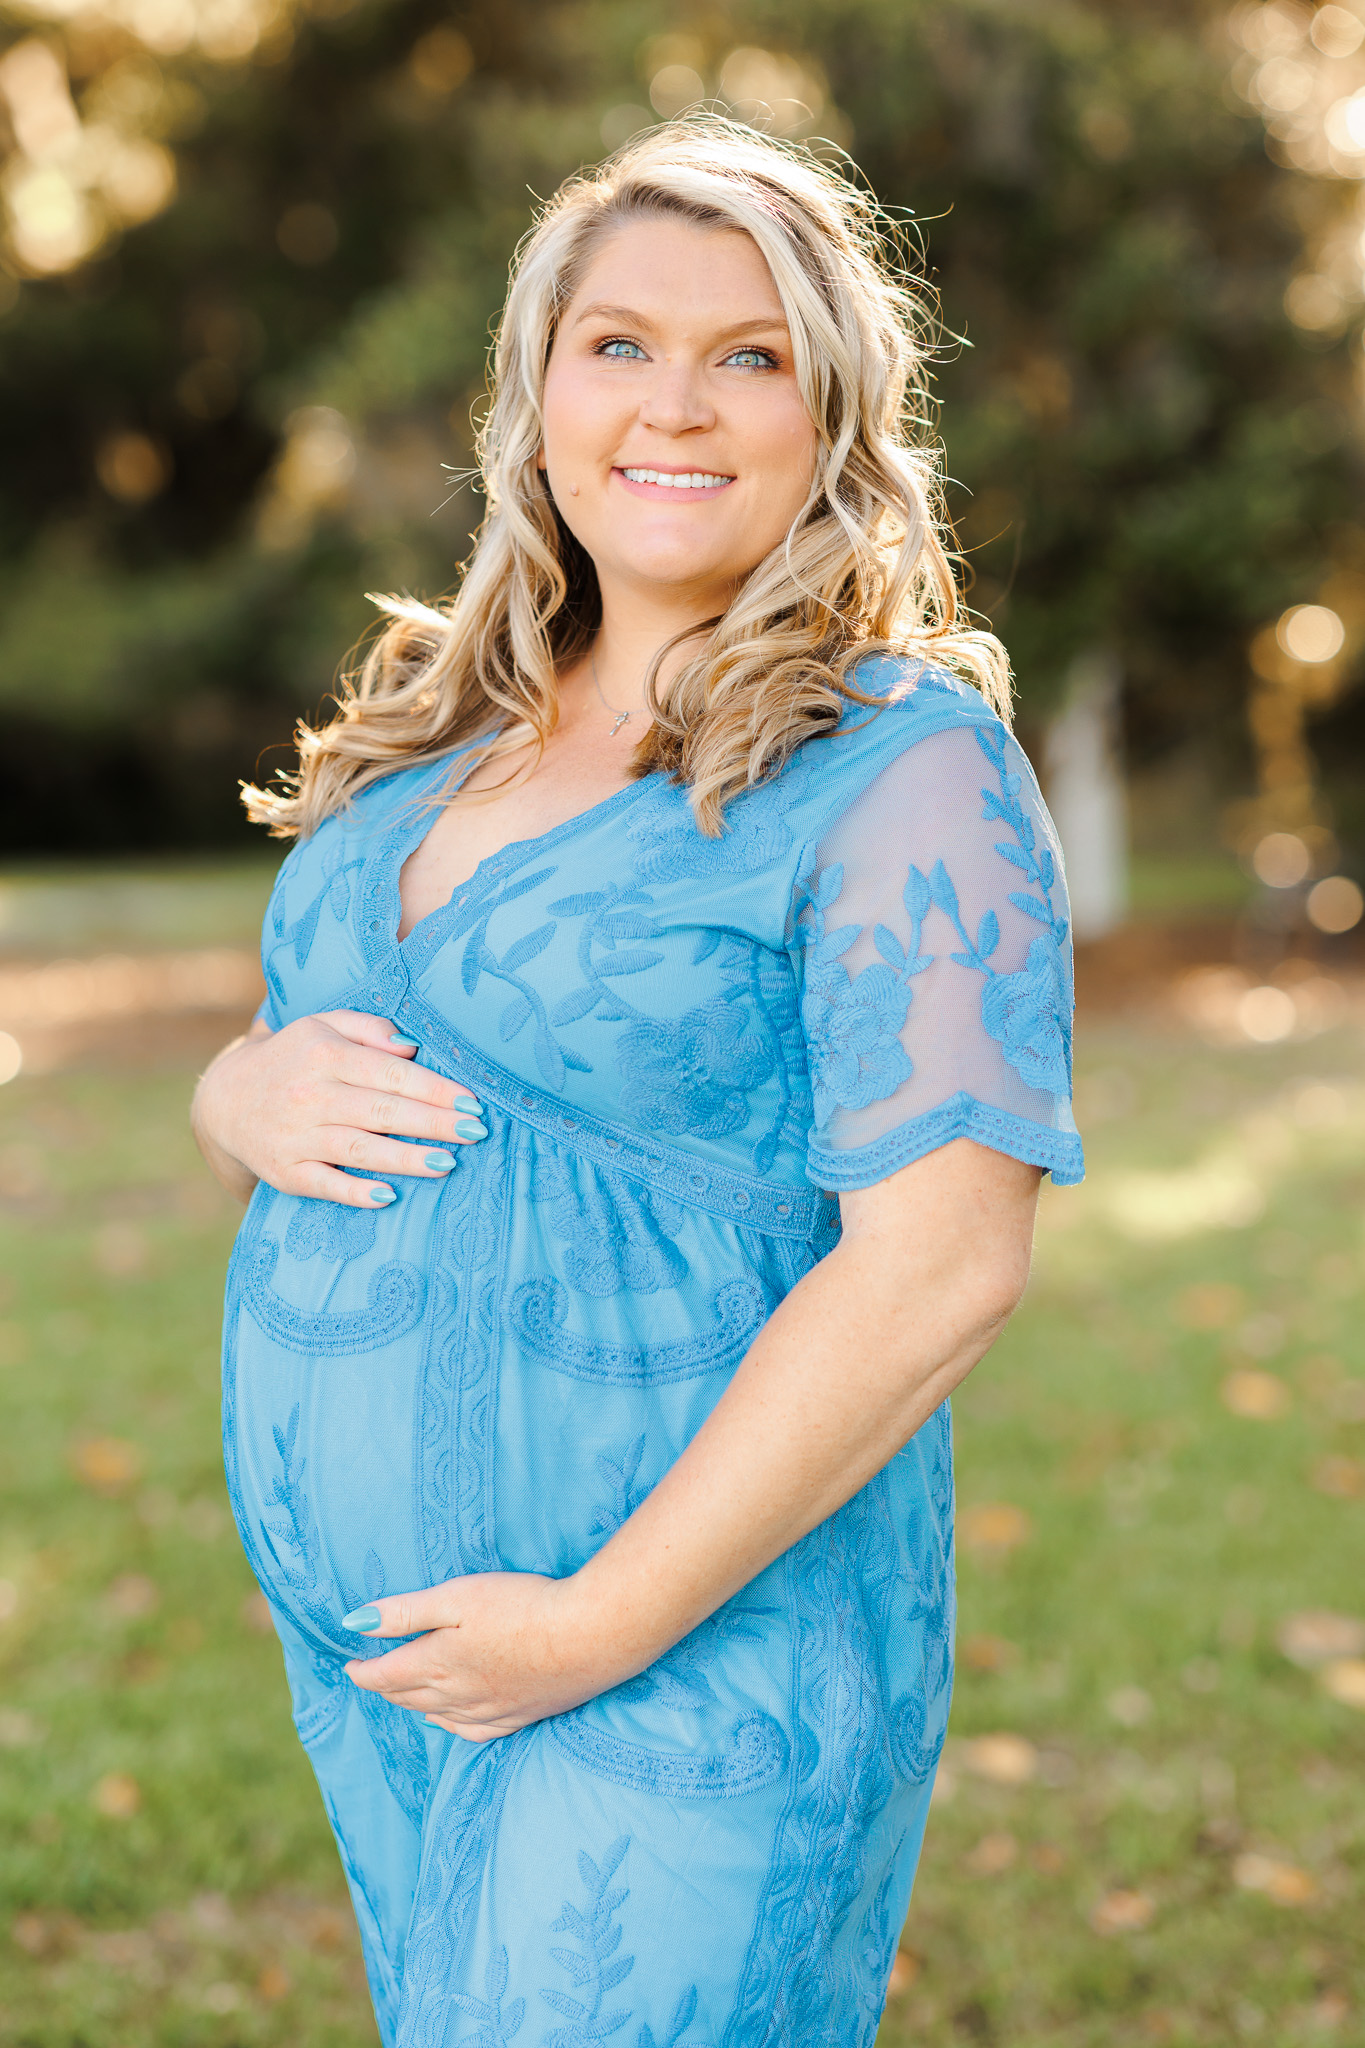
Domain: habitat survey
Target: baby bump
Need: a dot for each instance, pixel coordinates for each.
(329, 1312)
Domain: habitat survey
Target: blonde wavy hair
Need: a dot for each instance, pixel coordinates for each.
(865, 567)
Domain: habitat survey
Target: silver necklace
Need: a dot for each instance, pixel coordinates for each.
(621, 717)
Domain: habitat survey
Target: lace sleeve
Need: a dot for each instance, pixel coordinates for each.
(931, 935)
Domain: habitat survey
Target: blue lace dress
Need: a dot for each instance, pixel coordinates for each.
(685, 1049)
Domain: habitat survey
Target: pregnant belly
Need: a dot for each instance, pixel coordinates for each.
(330, 1317)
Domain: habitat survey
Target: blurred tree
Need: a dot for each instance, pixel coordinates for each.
(255, 252)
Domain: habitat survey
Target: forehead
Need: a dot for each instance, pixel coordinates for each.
(664, 266)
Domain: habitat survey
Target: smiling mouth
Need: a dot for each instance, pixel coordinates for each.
(678, 479)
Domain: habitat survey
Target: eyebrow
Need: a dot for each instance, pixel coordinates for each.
(631, 316)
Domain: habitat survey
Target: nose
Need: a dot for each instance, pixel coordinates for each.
(675, 401)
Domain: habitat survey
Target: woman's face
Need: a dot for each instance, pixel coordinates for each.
(676, 444)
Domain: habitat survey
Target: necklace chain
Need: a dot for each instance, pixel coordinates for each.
(621, 717)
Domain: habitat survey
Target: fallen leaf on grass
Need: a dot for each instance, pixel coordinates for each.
(1343, 1478)
(1001, 1759)
(42, 1935)
(995, 1528)
(1344, 1680)
(1316, 1635)
(993, 1854)
(904, 1972)
(275, 1982)
(117, 1796)
(120, 1250)
(1210, 1305)
(17, 1729)
(107, 1464)
(988, 1653)
(131, 1596)
(1329, 2011)
(1047, 1858)
(1123, 1913)
(1130, 1706)
(1283, 1882)
(1256, 1396)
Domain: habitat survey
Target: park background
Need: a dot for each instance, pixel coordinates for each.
(249, 254)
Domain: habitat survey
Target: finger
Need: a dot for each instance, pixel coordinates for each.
(390, 1115)
(405, 1614)
(340, 1146)
(360, 1067)
(362, 1029)
(471, 1731)
(325, 1183)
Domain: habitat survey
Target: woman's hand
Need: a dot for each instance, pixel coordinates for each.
(499, 1650)
(293, 1107)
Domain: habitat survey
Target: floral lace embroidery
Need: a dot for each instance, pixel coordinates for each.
(755, 1754)
(496, 2023)
(394, 1297)
(329, 1230)
(853, 1027)
(670, 848)
(1028, 1013)
(539, 1309)
(619, 1233)
(691, 1075)
(292, 1536)
(597, 1969)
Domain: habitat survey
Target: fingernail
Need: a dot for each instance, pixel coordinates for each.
(383, 1196)
(470, 1127)
(403, 1044)
(363, 1621)
(467, 1105)
(440, 1162)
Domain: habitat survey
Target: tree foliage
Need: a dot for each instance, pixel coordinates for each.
(226, 420)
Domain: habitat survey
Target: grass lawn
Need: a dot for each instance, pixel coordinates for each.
(1170, 1844)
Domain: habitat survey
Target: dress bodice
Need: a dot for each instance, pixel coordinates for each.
(732, 1018)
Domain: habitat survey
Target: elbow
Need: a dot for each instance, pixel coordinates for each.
(990, 1290)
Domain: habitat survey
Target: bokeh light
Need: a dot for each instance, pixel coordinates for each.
(11, 1057)
(1311, 632)
(1267, 1014)
(674, 87)
(1335, 904)
(1281, 860)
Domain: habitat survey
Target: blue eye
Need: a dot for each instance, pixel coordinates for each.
(617, 350)
(753, 359)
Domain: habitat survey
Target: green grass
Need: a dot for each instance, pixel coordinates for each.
(1168, 1538)
(51, 907)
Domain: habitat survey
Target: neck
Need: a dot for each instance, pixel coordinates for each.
(633, 630)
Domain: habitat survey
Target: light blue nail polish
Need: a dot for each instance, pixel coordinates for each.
(383, 1196)
(467, 1105)
(403, 1044)
(362, 1621)
(469, 1127)
(440, 1162)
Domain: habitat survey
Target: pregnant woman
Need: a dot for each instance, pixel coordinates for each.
(668, 1023)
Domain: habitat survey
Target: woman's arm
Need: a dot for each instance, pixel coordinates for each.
(294, 1107)
(861, 1352)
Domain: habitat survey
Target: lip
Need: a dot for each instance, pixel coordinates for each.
(668, 494)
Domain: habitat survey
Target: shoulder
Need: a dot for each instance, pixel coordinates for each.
(915, 703)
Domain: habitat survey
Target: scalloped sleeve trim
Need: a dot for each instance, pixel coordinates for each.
(962, 1116)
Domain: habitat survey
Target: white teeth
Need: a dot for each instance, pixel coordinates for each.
(697, 480)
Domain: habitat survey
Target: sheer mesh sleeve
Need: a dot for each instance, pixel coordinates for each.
(932, 936)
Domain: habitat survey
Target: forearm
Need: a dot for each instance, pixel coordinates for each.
(843, 1374)
(226, 1169)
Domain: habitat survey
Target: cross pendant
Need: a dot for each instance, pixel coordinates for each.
(621, 718)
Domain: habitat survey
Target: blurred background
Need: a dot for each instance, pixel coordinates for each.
(249, 255)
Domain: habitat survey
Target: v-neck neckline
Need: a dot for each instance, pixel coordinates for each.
(417, 946)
